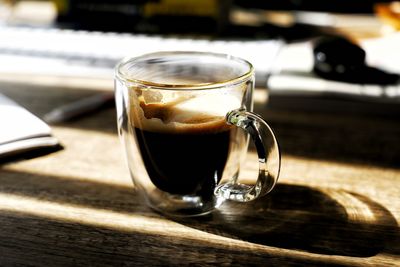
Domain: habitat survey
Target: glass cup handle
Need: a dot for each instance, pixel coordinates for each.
(268, 157)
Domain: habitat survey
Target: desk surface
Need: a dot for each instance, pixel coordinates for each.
(337, 202)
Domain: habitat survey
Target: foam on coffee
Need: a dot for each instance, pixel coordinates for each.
(189, 114)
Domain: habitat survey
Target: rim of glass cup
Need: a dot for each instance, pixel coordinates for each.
(193, 86)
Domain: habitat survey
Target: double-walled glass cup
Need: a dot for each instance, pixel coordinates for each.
(184, 119)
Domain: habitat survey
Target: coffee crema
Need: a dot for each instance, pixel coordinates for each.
(185, 114)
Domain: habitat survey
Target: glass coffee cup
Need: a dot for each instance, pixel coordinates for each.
(184, 119)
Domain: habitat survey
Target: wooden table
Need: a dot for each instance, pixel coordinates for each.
(337, 202)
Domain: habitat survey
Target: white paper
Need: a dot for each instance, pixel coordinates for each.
(18, 124)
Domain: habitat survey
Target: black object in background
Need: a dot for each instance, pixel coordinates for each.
(338, 59)
(337, 6)
(153, 16)
(116, 15)
(205, 17)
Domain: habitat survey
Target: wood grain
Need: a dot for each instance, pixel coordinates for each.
(336, 203)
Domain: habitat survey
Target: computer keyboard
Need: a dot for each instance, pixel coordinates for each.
(94, 54)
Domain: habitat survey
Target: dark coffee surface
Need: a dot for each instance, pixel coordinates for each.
(182, 163)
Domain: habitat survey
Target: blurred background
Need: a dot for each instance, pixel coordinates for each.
(86, 38)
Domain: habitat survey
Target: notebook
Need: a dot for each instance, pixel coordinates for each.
(23, 134)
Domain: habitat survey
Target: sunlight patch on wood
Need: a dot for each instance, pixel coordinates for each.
(104, 218)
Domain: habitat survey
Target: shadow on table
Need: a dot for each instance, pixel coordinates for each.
(348, 138)
(299, 217)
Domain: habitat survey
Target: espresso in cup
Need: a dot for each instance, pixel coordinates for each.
(184, 149)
